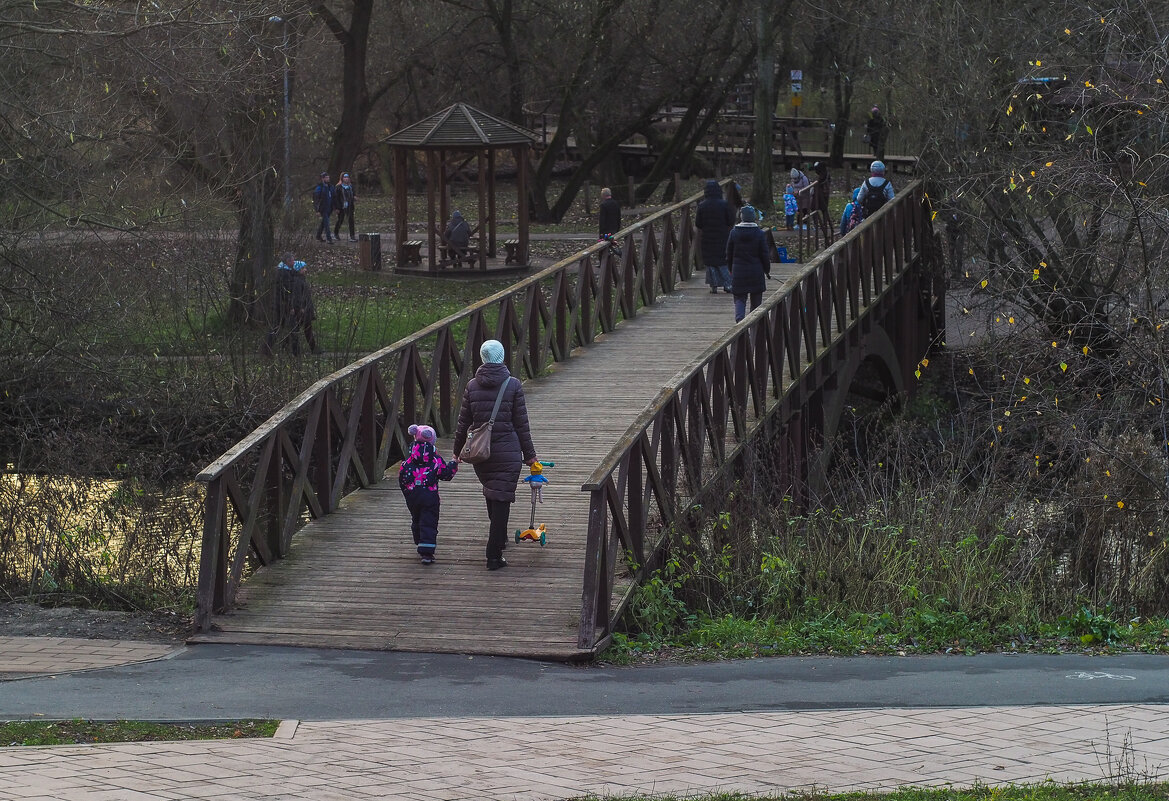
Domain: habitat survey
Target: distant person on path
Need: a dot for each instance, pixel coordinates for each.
(790, 207)
(803, 193)
(511, 441)
(875, 192)
(457, 237)
(323, 205)
(610, 214)
(343, 197)
(292, 307)
(750, 261)
(418, 478)
(875, 130)
(714, 219)
(822, 191)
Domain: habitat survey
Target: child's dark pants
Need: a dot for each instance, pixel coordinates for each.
(497, 513)
(423, 506)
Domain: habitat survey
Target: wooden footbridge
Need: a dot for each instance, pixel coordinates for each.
(640, 388)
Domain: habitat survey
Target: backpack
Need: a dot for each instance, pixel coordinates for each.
(855, 217)
(875, 196)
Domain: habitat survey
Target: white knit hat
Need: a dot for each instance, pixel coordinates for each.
(492, 352)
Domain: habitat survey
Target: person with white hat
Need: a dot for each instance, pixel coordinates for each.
(494, 389)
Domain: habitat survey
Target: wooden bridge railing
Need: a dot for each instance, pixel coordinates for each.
(342, 432)
(698, 425)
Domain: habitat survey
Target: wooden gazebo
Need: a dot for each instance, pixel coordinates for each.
(447, 138)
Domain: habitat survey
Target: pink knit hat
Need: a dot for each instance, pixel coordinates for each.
(423, 434)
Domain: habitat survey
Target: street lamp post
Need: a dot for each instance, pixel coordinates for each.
(287, 138)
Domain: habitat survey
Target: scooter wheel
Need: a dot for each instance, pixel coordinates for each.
(543, 539)
(517, 536)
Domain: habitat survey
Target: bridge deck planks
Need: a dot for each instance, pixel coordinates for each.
(352, 579)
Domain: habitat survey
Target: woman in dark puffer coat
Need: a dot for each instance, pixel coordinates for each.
(511, 441)
(750, 261)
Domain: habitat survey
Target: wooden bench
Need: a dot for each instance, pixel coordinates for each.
(513, 251)
(412, 252)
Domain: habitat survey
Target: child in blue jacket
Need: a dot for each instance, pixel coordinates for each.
(418, 477)
(790, 206)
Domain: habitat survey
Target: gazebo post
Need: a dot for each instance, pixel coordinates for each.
(431, 180)
(400, 199)
(481, 162)
(521, 161)
(492, 245)
(444, 197)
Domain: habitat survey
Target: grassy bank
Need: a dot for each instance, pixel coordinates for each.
(76, 732)
(1046, 792)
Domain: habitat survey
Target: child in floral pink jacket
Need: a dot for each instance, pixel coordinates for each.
(418, 477)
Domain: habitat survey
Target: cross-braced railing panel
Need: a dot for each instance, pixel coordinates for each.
(341, 433)
(773, 362)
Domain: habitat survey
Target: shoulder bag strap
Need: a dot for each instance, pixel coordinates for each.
(499, 398)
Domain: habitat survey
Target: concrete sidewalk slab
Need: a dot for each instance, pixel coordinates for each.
(30, 656)
(544, 758)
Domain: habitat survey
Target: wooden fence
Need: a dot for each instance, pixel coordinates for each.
(771, 363)
(342, 432)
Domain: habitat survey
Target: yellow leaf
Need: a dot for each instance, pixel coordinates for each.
(984, 283)
(1067, 31)
(1048, 164)
(1042, 264)
(1011, 320)
(1007, 413)
(971, 371)
(925, 362)
(1085, 350)
(1026, 380)
(1000, 429)
(1063, 366)
(1120, 504)
(1038, 63)
(1055, 344)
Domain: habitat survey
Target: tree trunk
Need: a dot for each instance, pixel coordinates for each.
(761, 187)
(259, 201)
(349, 136)
(842, 97)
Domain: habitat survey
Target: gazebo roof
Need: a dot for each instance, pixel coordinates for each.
(461, 125)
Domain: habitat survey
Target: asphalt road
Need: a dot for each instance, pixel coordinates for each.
(221, 681)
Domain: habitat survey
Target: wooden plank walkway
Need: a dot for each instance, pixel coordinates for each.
(353, 580)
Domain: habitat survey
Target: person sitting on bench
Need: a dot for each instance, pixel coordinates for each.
(457, 237)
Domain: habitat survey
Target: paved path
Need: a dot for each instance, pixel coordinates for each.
(562, 757)
(231, 681)
(29, 656)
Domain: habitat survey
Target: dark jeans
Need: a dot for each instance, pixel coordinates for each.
(741, 304)
(341, 215)
(323, 230)
(497, 512)
(289, 334)
(423, 505)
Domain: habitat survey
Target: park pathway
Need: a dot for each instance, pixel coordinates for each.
(552, 758)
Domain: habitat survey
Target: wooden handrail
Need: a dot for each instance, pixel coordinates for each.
(704, 417)
(342, 432)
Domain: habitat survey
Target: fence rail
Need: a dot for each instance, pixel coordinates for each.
(772, 362)
(342, 432)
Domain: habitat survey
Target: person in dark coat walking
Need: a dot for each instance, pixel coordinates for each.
(511, 441)
(323, 205)
(610, 213)
(418, 478)
(292, 307)
(750, 261)
(714, 219)
(875, 132)
(344, 196)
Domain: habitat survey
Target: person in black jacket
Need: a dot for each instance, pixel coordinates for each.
(750, 262)
(714, 219)
(323, 205)
(610, 213)
(343, 197)
(511, 441)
